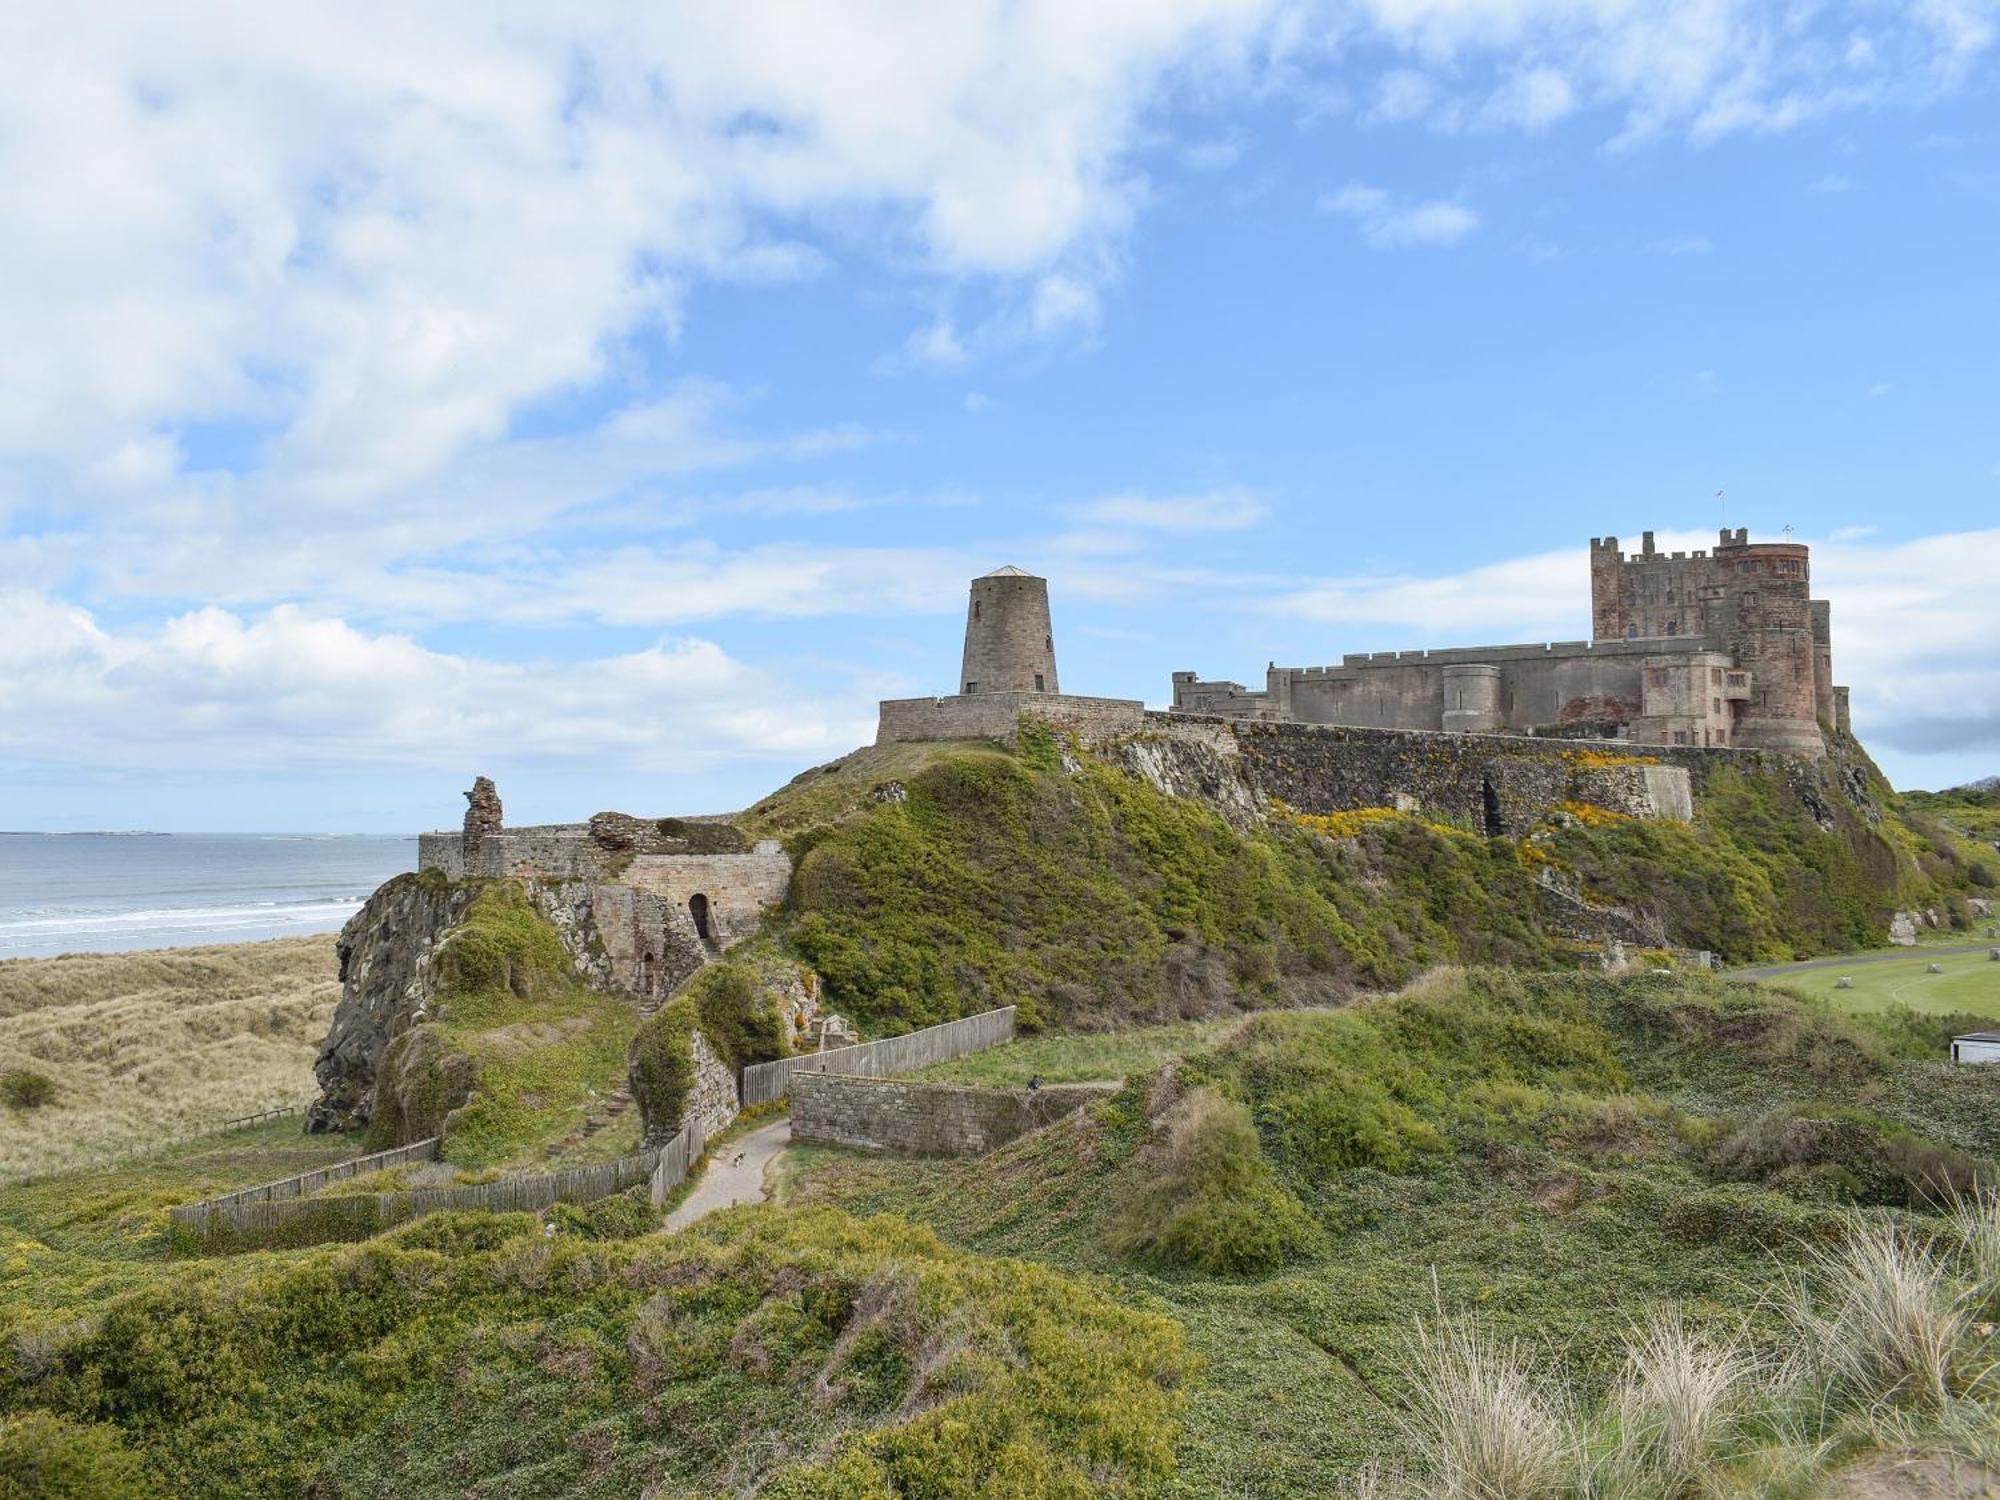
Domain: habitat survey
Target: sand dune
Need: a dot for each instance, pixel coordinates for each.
(146, 1046)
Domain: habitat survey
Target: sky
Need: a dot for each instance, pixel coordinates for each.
(616, 403)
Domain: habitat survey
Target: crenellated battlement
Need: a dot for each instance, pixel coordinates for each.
(1721, 648)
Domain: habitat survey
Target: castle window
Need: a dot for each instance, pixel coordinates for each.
(1715, 705)
(698, 909)
(1049, 644)
(1673, 627)
(1631, 632)
(972, 687)
(1680, 736)
(1038, 683)
(975, 609)
(1715, 674)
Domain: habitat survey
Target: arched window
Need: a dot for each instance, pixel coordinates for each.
(698, 909)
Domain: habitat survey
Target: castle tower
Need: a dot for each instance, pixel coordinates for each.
(1010, 646)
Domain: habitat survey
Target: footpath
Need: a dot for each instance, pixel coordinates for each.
(735, 1173)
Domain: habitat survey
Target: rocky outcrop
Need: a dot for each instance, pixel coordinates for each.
(388, 973)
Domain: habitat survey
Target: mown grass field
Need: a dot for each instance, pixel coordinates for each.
(147, 1046)
(1968, 983)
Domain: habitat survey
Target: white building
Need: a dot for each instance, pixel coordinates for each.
(1977, 1047)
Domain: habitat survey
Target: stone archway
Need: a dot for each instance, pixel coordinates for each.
(703, 920)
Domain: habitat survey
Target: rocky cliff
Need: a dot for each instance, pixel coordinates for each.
(389, 977)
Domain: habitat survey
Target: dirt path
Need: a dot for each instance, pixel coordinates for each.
(1888, 955)
(735, 1175)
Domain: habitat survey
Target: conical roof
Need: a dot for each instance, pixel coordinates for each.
(1008, 570)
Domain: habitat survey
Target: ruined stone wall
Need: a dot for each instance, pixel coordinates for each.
(712, 1096)
(737, 888)
(925, 1119)
(552, 851)
(996, 716)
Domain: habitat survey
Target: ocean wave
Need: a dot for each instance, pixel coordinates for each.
(25, 931)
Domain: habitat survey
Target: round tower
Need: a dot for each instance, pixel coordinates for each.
(1010, 646)
(1767, 588)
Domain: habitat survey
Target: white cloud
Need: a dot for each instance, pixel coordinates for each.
(937, 344)
(1218, 510)
(220, 692)
(1533, 99)
(1388, 224)
(380, 230)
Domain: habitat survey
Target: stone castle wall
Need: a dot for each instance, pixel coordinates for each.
(1722, 648)
(1496, 784)
(996, 716)
(926, 1119)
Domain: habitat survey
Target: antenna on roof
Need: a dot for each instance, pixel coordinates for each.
(1787, 529)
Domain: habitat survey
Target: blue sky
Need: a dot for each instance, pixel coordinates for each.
(617, 407)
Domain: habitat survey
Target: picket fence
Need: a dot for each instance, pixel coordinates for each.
(276, 1212)
(763, 1082)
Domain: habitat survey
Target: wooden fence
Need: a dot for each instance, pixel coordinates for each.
(677, 1159)
(261, 1115)
(308, 1183)
(280, 1213)
(763, 1082)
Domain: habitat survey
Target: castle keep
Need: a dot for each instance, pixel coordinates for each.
(1719, 649)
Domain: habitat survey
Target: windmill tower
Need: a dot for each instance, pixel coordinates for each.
(1010, 646)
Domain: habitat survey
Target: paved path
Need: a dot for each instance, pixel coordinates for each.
(1887, 956)
(735, 1174)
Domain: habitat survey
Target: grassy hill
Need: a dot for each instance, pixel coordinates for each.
(1208, 1285)
(934, 881)
(1553, 1155)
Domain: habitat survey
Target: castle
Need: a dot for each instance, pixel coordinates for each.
(1723, 649)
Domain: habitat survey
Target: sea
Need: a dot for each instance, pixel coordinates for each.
(112, 892)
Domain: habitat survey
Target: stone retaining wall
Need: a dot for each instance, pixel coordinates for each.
(926, 1119)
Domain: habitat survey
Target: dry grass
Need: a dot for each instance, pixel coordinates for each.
(145, 1046)
(1673, 1413)
(1882, 1319)
(1887, 1363)
(1482, 1423)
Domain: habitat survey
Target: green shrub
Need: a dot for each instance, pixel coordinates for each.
(46, 1457)
(1819, 1150)
(661, 1063)
(739, 1013)
(598, 1368)
(622, 1216)
(1201, 1195)
(1088, 896)
(517, 1049)
(502, 947)
(21, 1088)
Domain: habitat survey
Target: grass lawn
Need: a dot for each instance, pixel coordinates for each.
(1969, 982)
